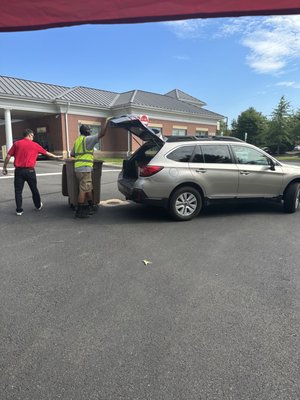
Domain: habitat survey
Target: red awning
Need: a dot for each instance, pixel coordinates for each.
(17, 15)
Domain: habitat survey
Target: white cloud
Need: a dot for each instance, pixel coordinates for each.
(291, 84)
(264, 65)
(234, 26)
(273, 42)
(188, 29)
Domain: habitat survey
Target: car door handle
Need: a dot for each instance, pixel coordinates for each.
(201, 170)
(244, 172)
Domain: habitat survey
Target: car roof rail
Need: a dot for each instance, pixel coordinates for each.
(202, 138)
(220, 138)
(180, 138)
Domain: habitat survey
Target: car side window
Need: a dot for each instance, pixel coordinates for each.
(198, 156)
(182, 154)
(247, 155)
(217, 154)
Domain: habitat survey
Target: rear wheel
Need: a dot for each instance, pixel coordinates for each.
(291, 198)
(185, 203)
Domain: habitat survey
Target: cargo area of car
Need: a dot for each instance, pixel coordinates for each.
(139, 159)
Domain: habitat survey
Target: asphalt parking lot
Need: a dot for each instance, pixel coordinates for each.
(215, 314)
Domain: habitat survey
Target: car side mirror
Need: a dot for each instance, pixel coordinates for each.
(272, 164)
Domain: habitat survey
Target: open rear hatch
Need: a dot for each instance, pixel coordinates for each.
(132, 124)
(141, 157)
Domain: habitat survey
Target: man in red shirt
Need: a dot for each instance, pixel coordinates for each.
(25, 152)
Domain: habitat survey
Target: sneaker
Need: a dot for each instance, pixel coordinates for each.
(19, 212)
(40, 207)
(82, 212)
(92, 208)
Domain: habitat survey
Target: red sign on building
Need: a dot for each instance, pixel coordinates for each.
(144, 119)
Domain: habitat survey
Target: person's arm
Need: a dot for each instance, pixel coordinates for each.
(104, 130)
(91, 141)
(72, 154)
(6, 161)
(52, 155)
(43, 151)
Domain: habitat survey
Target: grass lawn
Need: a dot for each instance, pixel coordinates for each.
(286, 157)
(115, 161)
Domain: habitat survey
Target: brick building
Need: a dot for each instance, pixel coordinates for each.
(55, 113)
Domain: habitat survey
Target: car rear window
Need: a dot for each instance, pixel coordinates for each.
(182, 154)
(145, 153)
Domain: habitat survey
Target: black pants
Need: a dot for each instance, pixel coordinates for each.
(28, 175)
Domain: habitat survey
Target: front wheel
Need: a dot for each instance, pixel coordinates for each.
(291, 198)
(185, 203)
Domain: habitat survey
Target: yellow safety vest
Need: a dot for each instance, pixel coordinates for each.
(83, 157)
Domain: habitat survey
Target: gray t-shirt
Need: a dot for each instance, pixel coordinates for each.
(91, 141)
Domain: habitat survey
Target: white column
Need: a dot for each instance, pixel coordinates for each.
(67, 131)
(129, 149)
(8, 129)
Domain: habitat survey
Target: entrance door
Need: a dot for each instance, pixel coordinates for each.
(42, 139)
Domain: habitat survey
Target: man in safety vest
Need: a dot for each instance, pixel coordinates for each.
(83, 151)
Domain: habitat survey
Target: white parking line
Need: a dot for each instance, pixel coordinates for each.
(51, 173)
(45, 174)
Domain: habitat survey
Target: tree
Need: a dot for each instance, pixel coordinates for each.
(278, 134)
(294, 127)
(249, 125)
(223, 129)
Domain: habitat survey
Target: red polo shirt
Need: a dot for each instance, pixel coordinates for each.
(25, 152)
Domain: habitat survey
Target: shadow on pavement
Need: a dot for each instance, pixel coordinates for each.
(55, 212)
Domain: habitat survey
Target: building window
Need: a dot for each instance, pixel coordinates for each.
(179, 132)
(41, 129)
(157, 129)
(203, 132)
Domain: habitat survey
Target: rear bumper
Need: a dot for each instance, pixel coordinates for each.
(139, 196)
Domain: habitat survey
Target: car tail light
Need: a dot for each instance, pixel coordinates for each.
(149, 170)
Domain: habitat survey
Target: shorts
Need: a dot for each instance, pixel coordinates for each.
(84, 181)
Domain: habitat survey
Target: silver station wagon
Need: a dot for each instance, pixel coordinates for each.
(184, 174)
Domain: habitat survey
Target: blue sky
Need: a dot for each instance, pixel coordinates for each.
(229, 63)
